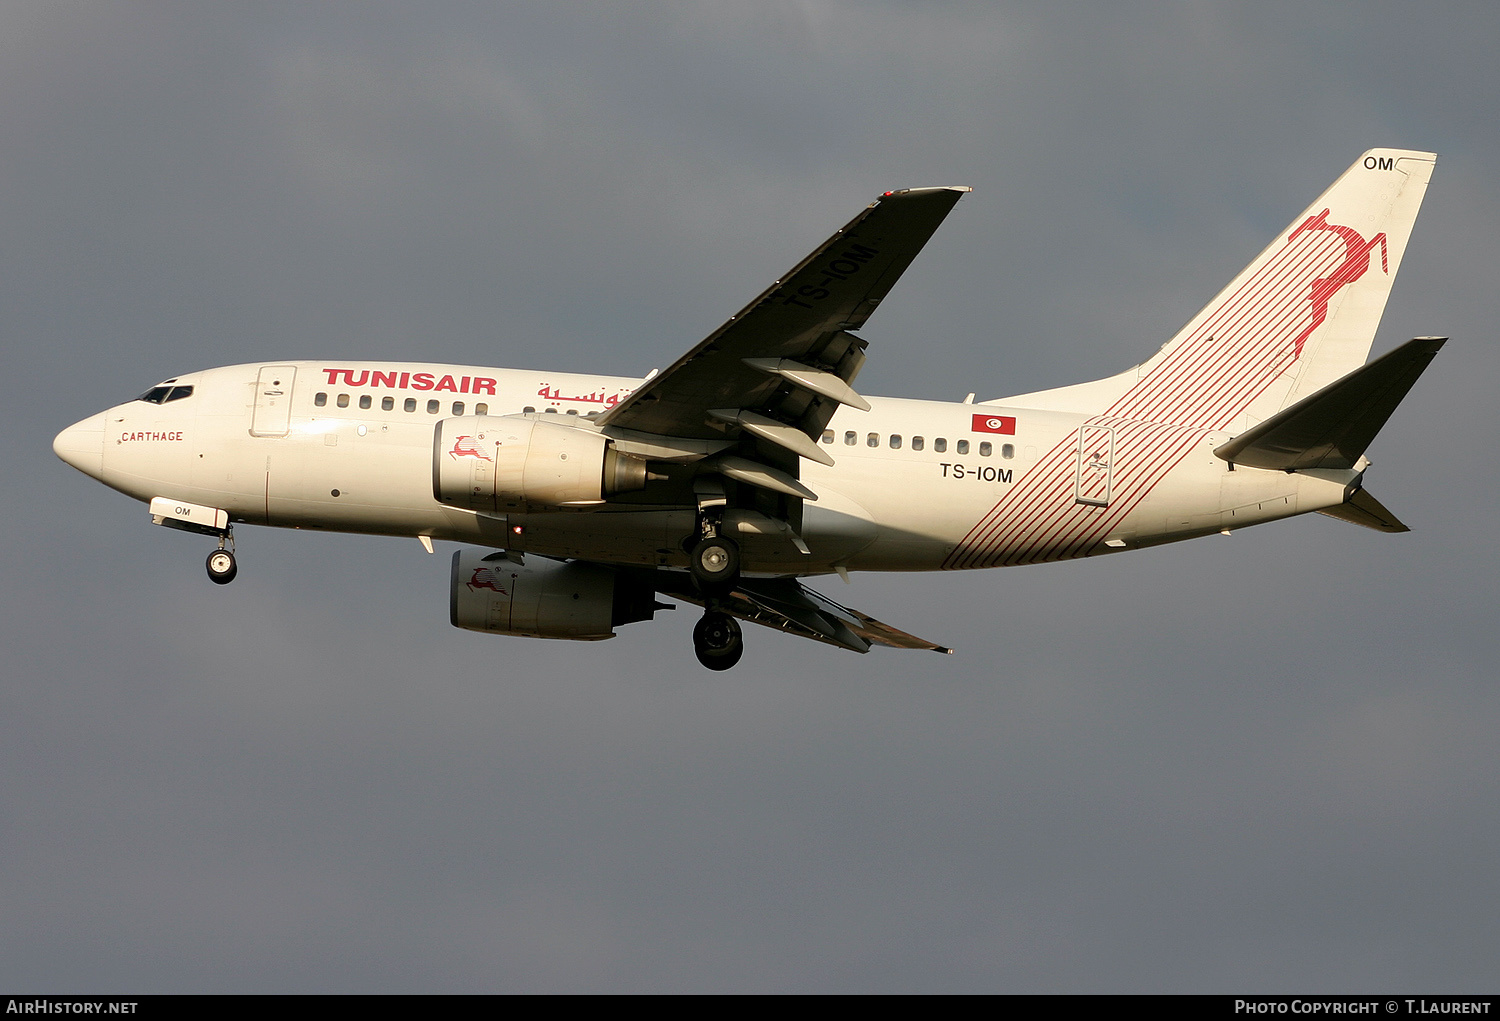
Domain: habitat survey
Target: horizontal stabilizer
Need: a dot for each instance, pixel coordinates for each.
(1364, 509)
(1332, 428)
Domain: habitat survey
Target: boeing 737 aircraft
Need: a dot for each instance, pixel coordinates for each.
(752, 462)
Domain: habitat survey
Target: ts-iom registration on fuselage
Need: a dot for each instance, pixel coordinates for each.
(752, 463)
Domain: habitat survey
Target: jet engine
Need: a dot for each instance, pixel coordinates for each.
(507, 462)
(544, 598)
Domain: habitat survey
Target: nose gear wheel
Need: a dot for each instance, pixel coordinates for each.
(221, 563)
(221, 567)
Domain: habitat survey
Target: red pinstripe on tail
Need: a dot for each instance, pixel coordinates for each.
(1246, 345)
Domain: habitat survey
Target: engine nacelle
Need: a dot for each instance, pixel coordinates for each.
(543, 598)
(506, 463)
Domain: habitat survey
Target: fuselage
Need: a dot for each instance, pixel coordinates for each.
(916, 485)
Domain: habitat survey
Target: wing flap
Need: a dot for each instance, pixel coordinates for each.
(787, 605)
(756, 474)
(777, 433)
(819, 381)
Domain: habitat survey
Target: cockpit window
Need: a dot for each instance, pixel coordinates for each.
(162, 394)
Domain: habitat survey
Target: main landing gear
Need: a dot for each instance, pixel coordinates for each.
(717, 640)
(221, 565)
(714, 563)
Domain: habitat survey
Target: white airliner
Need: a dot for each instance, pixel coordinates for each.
(752, 462)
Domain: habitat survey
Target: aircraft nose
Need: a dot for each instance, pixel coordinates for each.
(82, 445)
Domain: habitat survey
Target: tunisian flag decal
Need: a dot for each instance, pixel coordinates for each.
(1005, 425)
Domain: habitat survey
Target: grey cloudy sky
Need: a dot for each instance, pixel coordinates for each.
(1267, 762)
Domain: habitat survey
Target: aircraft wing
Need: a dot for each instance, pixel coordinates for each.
(787, 605)
(746, 404)
(778, 369)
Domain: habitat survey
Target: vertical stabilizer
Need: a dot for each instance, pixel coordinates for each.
(1301, 315)
(1299, 318)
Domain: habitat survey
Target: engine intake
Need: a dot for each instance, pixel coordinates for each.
(543, 598)
(507, 463)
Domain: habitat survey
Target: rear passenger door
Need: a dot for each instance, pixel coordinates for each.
(1094, 482)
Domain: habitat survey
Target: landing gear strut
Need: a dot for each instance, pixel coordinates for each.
(717, 640)
(221, 565)
(714, 563)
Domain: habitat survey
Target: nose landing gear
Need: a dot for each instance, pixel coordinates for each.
(717, 640)
(221, 564)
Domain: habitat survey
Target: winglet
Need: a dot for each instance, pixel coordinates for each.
(962, 189)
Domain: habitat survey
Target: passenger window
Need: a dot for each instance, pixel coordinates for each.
(433, 406)
(572, 411)
(481, 409)
(458, 407)
(364, 402)
(529, 410)
(320, 400)
(411, 404)
(895, 441)
(940, 445)
(550, 411)
(917, 443)
(387, 403)
(872, 440)
(985, 449)
(850, 438)
(1008, 450)
(343, 400)
(962, 446)
(827, 435)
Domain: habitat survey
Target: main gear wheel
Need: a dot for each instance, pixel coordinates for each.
(715, 565)
(717, 640)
